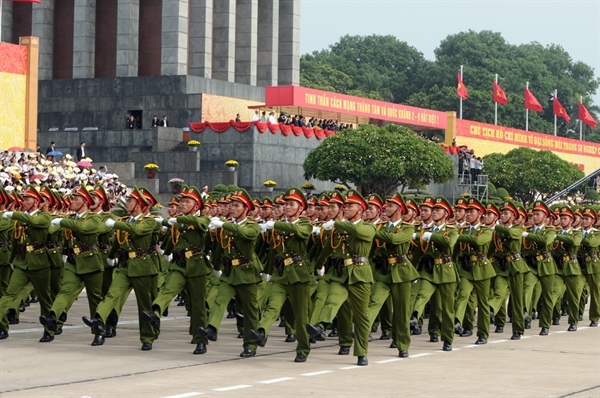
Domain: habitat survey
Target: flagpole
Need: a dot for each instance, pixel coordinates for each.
(527, 113)
(555, 97)
(461, 79)
(496, 106)
(580, 123)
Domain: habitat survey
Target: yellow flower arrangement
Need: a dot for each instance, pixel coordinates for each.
(151, 166)
(193, 143)
(231, 163)
(308, 186)
(270, 184)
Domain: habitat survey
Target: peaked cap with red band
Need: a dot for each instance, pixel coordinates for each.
(337, 197)
(31, 192)
(84, 193)
(375, 200)
(461, 203)
(512, 207)
(399, 200)
(267, 202)
(492, 208)
(428, 201)
(137, 195)
(566, 211)
(473, 203)
(100, 192)
(412, 204)
(442, 203)
(150, 199)
(589, 212)
(241, 195)
(323, 200)
(353, 196)
(541, 206)
(47, 195)
(194, 194)
(174, 201)
(297, 195)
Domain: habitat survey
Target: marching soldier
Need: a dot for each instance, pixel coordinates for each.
(135, 247)
(440, 273)
(350, 276)
(590, 262)
(289, 273)
(542, 238)
(84, 265)
(189, 267)
(241, 270)
(29, 258)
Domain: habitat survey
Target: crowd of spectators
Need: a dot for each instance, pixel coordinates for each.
(20, 168)
(298, 121)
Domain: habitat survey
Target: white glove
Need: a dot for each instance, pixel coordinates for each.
(316, 230)
(110, 261)
(161, 251)
(270, 224)
(263, 228)
(414, 237)
(328, 225)
(217, 223)
(493, 227)
(64, 258)
(56, 221)
(7, 214)
(164, 229)
(218, 273)
(266, 277)
(427, 235)
(172, 221)
(109, 222)
(321, 271)
(524, 234)
(214, 219)
(159, 220)
(170, 257)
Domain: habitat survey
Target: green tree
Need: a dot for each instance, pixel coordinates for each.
(528, 174)
(379, 159)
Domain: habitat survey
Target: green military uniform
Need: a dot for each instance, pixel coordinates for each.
(588, 258)
(6, 234)
(350, 276)
(394, 274)
(566, 255)
(236, 257)
(135, 248)
(290, 276)
(30, 260)
(508, 242)
(473, 260)
(84, 266)
(543, 239)
(189, 268)
(439, 273)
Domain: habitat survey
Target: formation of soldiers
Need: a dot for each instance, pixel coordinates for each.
(338, 262)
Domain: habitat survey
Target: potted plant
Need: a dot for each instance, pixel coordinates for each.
(151, 170)
(340, 188)
(176, 185)
(308, 187)
(231, 164)
(193, 145)
(270, 184)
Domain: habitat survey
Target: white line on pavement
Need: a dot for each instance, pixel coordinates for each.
(351, 367)
(420, 355)
(560, 331)
(321, 372)
(130, 322)
(238, 387)
(276, 380)
(498, 341)
(389, 360)
(187, 394)
(471, 346)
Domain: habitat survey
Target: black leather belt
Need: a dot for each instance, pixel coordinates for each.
(355, 260)
(398, 259)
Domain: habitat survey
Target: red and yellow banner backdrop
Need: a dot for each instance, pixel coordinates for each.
(327, 101)
(488, 138)
(13, 95)
(219, 108)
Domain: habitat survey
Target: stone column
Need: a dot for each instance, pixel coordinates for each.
(246, 27)
(289, 42)
(224, 40)
(128, 29)
(43, 27)
(201, 38)
(174, 57)
(6, 22)
(268, 43)
(84, 39)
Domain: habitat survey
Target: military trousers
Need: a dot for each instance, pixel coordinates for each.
(18, 281)
(446, 292)
(400, 295)
(248, 300)
(515, 283)
(5, 272)
(574, 288)
(145, 288)
(529, 282)
(468, 321)
(358, 294)
(464, 290)
(482, 292)
(71, 287)
(319, 300)
(107, 278)
(297, 294)
(558, 290)
(593, 281)
(56, 275)
(547, 300)
(498, 298)
(174, 283)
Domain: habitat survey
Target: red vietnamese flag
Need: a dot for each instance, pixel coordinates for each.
(560, 110)
(461, 90)
(531, 102)
(585, 116)
(499, 94)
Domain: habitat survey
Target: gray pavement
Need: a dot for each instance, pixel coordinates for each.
(563, 364)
